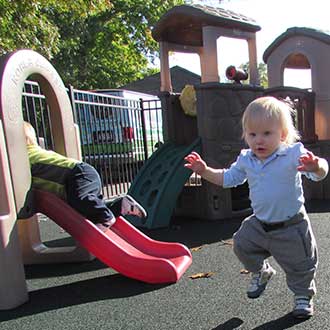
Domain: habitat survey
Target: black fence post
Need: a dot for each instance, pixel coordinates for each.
(144, 131)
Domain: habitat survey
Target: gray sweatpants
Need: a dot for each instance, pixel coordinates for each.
(293, 247)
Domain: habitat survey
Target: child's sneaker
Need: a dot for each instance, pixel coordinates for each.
(104, 226)
(129, 206)
(304, 307)
(259, 281)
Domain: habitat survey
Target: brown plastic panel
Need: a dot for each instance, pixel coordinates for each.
(13, 290)
(15, 179)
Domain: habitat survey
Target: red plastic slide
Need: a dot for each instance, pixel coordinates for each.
(123, 247)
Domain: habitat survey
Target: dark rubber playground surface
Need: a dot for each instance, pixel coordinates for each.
(91, 296)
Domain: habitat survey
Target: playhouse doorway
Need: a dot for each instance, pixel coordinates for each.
(297, 71)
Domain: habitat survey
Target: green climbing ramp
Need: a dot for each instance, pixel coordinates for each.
(159, 183)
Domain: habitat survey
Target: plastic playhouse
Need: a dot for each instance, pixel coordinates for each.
(196, 29)
(123, 248)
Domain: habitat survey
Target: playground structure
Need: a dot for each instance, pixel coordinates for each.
(196, 29)
(205, 26)
(15, 174)
(304, 48)
(215, 130)
(124, 248)
(160, 181)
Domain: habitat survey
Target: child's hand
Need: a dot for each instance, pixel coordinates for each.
(195, 163)
(309, 163)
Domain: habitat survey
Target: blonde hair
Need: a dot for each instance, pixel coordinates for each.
(30, 134)
(269, 107)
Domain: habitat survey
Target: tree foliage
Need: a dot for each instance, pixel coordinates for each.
(115, 45)
(262, 70)
(30, 23)
(91, 43)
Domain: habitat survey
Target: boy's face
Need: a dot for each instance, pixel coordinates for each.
(264, 136)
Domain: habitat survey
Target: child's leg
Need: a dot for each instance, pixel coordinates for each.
(250, 245)
(84, 194)
(295, 250)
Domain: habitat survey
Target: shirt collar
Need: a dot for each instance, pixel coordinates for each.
(282, 150)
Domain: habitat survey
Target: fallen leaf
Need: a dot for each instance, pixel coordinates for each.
(196, 248)
(201, 275)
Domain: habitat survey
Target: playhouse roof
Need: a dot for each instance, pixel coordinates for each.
(297, 61)
(151, 84)
(183, 24)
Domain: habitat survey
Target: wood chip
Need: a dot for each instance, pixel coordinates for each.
(196, 248)
(201, 275)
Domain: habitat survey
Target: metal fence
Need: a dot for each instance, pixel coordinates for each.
(118, 133)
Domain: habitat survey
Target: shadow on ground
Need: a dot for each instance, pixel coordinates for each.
(196, 232)
(78, 293)
(285, 322)
(231, 324)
